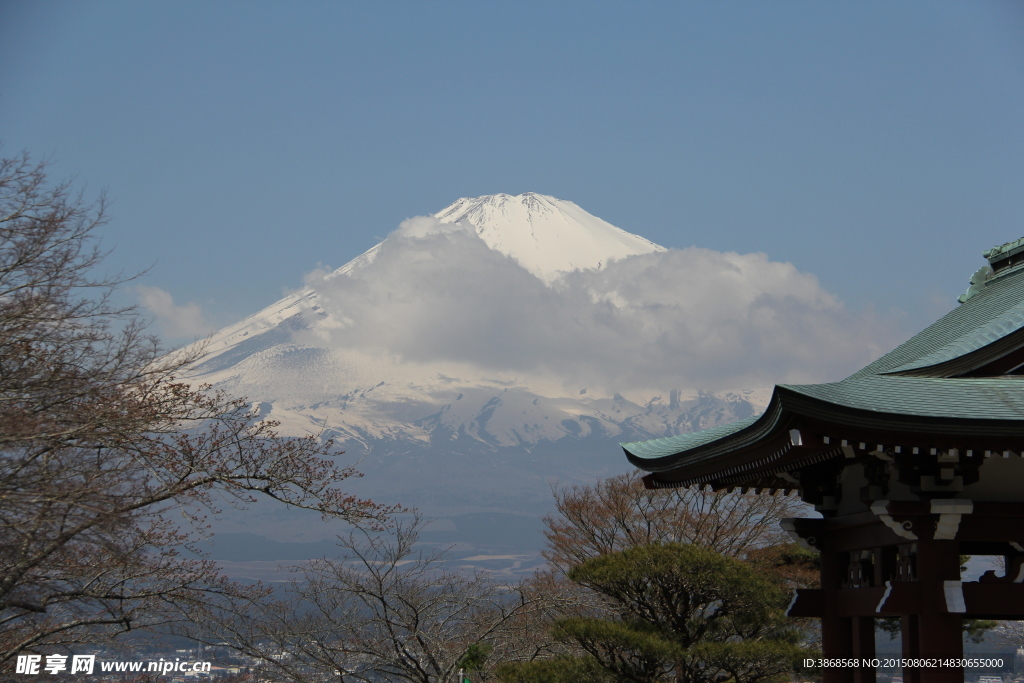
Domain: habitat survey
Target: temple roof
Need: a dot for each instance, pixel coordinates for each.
(956, 378)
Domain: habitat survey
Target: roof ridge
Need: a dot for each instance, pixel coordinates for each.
(1000, 295)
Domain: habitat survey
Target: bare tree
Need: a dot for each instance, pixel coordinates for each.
(619, 513)
(384, 610)
(99, 442)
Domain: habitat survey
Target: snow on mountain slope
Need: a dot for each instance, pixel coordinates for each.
(366, 394)
(434, 422)
(547, 236)
(288, 308)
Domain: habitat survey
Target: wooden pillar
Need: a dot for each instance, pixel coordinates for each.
(909, 633)
(863, 632)
(939, 631)
(836, 631)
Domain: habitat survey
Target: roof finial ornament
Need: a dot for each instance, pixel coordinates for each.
(1000, 258)
(978, 280)
(1005, 255)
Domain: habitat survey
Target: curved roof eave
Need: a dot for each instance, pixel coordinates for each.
(789, 402)
(667, 453)
(991, 401)
(919, 387)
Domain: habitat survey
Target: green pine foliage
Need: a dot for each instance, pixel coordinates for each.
(475, 657)
(685, 614)
(630, 650)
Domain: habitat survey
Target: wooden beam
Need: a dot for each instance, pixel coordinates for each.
(982, 601)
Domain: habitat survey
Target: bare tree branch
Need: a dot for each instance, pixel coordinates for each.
(619, 513)
(98, 441)
(383, 610)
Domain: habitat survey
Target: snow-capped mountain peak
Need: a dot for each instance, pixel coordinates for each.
(545, 235)
(422, 376)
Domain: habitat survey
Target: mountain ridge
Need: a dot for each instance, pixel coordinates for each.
(617, 244)
(561, 237)
(427, 422)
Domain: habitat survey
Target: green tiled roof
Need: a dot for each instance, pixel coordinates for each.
(1008, 322)
(972, 398)
(996, 311)
(917, 380)
(669, 445)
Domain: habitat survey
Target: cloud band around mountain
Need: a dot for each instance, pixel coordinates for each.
(681, 318)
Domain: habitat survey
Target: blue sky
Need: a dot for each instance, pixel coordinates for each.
(877, 145)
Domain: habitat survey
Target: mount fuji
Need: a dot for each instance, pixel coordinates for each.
(473, 358)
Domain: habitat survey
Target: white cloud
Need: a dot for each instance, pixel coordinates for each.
(174, 321)
(691, 318)
(423, 226)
